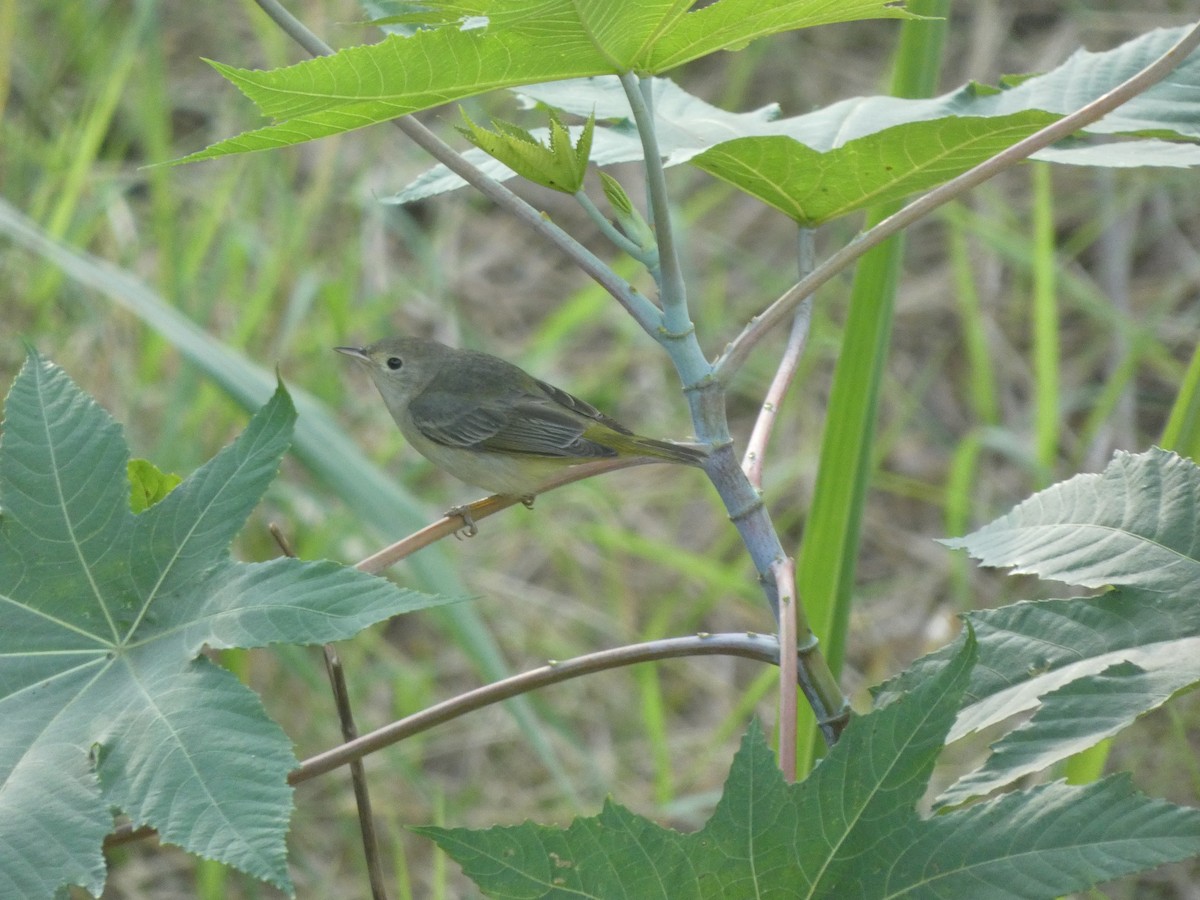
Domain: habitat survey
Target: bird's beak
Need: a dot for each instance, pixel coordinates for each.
(358, 353)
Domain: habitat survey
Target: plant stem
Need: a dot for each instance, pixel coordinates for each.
(1045, 321)
(671, 327)
(454, 522)
(739, 349)
(644, 312)
(362, 796)
(615, 237)
(358, 774)
(707, 400)
(756, 447)
(671, 285)
(749, 646)
(785, 584)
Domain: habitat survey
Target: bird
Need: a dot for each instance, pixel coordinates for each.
(492, 425)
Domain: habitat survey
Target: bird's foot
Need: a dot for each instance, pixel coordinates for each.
(469, 529)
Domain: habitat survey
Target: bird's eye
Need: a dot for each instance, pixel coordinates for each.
(394, 363)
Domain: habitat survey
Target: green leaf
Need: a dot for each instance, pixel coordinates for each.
(687, 126)
(869, 784)
(321, 443)
(632, 224)
(850, 830)
(507, 44)
(1134, 526)
(1087, 667)
(1040, 843)
(559, 166)
(614, 854)
(107, 701)
(616, 196)
(1171, 107)
(1123, 154)
(733, 24)
(148, 485)
(811, 188)
(765, 838)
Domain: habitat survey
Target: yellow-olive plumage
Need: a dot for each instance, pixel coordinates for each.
(493, 425)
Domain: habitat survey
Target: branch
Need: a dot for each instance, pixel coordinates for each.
(748, 646)
(737, 352)
(756, 447)
(615, 237)
(455, 520)
(358, 775)
(763, 648)
(644, 312)
(670, 327)
(673, 291)
(784, 571)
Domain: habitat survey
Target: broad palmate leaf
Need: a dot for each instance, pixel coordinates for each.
(812, 188)
(106, 701)
(854, 153)
(1135, 525)
(503, 43)
(1089, 666)
(850, 830)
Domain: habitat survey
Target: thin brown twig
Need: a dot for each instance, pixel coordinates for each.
(358, 774)
(739, 349)
(760, 647)
(453, 522)
(760, 436)
(449, 524)
(756, 447)
(285, 546)
(784, 571)
(750, 646)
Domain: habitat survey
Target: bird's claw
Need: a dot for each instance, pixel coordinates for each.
(469, 529)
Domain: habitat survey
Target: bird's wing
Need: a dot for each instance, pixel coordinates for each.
(534, 418)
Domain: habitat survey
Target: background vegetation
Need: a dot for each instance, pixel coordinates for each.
(282, 256)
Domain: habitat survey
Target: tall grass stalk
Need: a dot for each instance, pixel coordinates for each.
(829, 550)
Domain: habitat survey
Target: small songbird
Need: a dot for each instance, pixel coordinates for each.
(493, 425)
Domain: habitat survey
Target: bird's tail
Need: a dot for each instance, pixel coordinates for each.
(672, 451)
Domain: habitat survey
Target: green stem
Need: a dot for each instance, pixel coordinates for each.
(829, 549)
(1045, 326)
(1182, 431)
(620, 241)
(674, 330)
(985, 402)
(671, 284)
(706, 398)
(779, 311)
(644, 312)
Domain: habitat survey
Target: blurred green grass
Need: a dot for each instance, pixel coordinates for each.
(282, 256)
